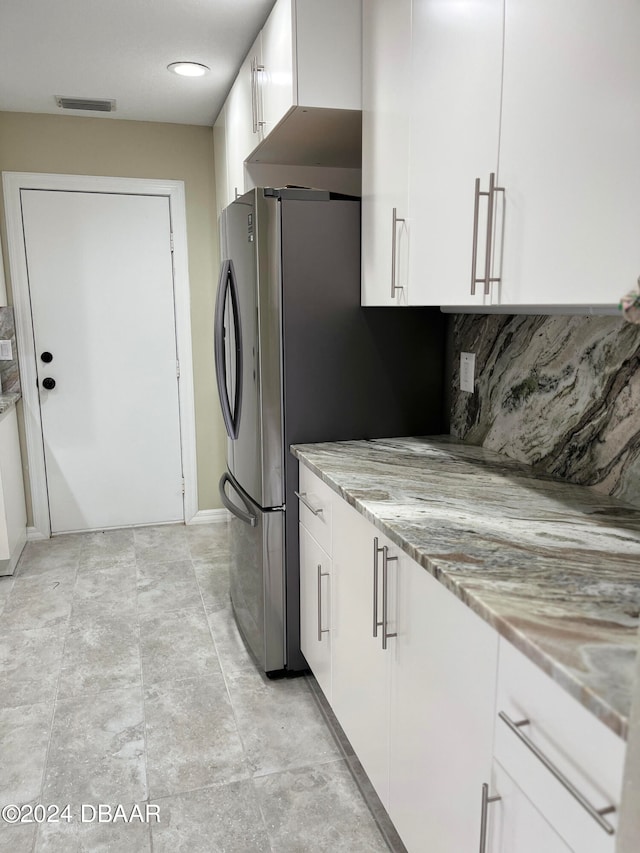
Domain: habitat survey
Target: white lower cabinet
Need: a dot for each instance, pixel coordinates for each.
(412, 677)
(448, 719)
(13, 515)
(315, 609)
(361, 668)
(442, 715)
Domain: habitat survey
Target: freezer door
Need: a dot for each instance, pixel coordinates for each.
(248, 347)
(256, 572)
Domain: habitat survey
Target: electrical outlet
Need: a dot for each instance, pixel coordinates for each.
(467, 371)
(6, 353)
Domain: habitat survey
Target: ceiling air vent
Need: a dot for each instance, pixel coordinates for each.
(92, 104)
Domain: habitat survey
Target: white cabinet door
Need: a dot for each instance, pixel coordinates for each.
(328, 54)
(442, 712)
(514, 825)
(385, 150)
(456, 76)
(311, 57)
(13, 516)
(277, 79)
(315, 609)
(224, 194)
(361, 668)
(243, 128)
(569, 152)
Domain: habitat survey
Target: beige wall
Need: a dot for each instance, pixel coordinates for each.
(132, 149)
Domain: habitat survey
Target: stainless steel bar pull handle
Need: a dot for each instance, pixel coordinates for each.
(386, 559)
(486, 799)
(254, 104)
(394, 239)
(302, 497)
(493, 189)
(596, 814)
(376, 550)
(321, 630)
(486, 279)
(259, 69)
(474, 247)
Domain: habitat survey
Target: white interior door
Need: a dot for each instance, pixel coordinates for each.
(101, 287)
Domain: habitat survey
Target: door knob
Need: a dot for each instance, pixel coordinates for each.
(46, 357)
(49, 383)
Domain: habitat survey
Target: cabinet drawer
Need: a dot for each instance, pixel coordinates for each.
(514, 824)
(315, 498)
(588, 755)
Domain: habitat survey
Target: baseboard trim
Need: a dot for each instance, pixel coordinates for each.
(210, 516)
(203, 516)
(8, 567)
(34, 535)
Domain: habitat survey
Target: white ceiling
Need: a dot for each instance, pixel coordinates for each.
(120, 49)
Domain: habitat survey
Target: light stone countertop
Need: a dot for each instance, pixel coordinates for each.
(553, 567)
(8, 401)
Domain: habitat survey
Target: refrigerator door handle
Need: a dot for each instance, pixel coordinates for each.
(227, 285)
(248, 517)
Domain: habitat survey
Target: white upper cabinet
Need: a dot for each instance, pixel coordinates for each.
(328, 54)
(432, 75)
(297, 98)
(277, 72)
(224, 193)
(385, 150)
(540, 98)
(243, 128)
(311, 57)
(296, 101)
(456, 75)
(569, 146)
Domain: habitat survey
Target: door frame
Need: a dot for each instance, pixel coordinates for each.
(13, 183)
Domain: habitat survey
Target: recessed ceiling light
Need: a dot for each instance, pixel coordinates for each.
(188, 69)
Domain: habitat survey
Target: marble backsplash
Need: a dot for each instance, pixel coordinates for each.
(561, 393)
(9, 375)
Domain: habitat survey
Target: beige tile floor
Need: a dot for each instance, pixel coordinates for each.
(123, 680)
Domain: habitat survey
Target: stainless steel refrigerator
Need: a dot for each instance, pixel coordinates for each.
(298, 360)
